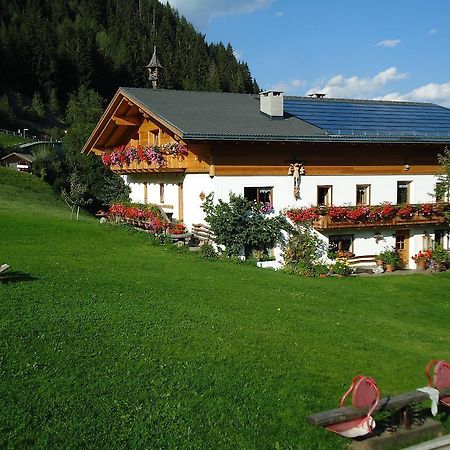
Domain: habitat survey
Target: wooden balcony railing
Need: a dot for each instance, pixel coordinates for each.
(386, 215)
(325, 222)
(144, 167)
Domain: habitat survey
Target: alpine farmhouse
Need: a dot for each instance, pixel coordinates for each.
(289, 152)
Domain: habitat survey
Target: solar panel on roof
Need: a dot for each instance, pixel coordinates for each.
(371, 118)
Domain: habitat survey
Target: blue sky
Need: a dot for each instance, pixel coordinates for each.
(382, 49)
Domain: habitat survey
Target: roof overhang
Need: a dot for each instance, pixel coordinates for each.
(121, 121)
(320, 138)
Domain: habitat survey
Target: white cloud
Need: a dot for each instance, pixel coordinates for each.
(201, 12)
(433, 31)
(431, 92)
(389, 43)
(279, 13)
(297, 83)
(357, 87)
(288, 86)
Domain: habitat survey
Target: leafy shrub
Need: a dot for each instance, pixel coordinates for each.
(303, 245)
(440, 259)
(207, 251)
(307, 269)
(241, 223)
(390, 257)
(302, 251)
(341, 267)
(46, 164)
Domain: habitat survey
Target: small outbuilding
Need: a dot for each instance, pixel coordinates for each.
(21, 162)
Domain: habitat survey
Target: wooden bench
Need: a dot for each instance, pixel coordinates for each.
(364, 263)
(202, 233)
(181, 239)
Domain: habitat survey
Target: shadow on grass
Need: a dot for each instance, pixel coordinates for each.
(15, 276)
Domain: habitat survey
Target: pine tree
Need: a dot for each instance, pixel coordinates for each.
(53, 104)
(37, 105)
(105, 44)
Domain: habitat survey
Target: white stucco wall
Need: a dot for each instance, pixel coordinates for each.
(170, 181)
(383, 188)
(193, 186)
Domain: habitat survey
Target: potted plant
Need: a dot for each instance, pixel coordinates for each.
(440, 259)
(422, 258)
(390, 259)
(379, 260)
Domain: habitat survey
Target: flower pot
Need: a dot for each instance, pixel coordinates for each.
(389, 268)
(421, 264)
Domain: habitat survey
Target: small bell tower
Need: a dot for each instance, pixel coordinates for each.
(154, 67)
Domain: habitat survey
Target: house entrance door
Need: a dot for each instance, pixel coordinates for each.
(402, 246)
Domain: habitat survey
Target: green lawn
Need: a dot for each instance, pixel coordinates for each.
(109, 342)
(10, 139)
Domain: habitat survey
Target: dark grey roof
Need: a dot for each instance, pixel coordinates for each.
(221, 116)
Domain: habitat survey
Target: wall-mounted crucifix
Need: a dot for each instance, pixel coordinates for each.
(296, 170)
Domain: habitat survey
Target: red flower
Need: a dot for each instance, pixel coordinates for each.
(427, 209)
(358, 214)
(302, 215)
(405, 212)
(178, 228)
(423, 255)
(337, 212)
(106, 158)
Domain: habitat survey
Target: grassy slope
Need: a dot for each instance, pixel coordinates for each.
(116, 343)
(10, 139)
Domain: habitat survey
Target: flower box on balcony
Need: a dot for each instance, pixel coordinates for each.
(130, 158)
(385, 215)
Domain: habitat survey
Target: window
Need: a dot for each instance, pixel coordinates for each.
(363, 194)
(259, 194)
(341, 244)
(426, 241)
(324, 195)
(153, 137)
(442, 193)
(403, 192)
(161, 192)
(440, 238)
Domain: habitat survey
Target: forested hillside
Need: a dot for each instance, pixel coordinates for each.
(49, 48)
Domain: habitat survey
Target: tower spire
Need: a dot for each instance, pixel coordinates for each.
(153, 69)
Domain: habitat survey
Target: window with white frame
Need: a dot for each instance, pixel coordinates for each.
(363, 194)
(403, 192)
(324, 195)
(161, 193)
(259, 194)
(441, 238)
(341, 244)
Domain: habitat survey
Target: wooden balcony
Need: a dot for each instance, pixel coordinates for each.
(325, 222)
(144, 167)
